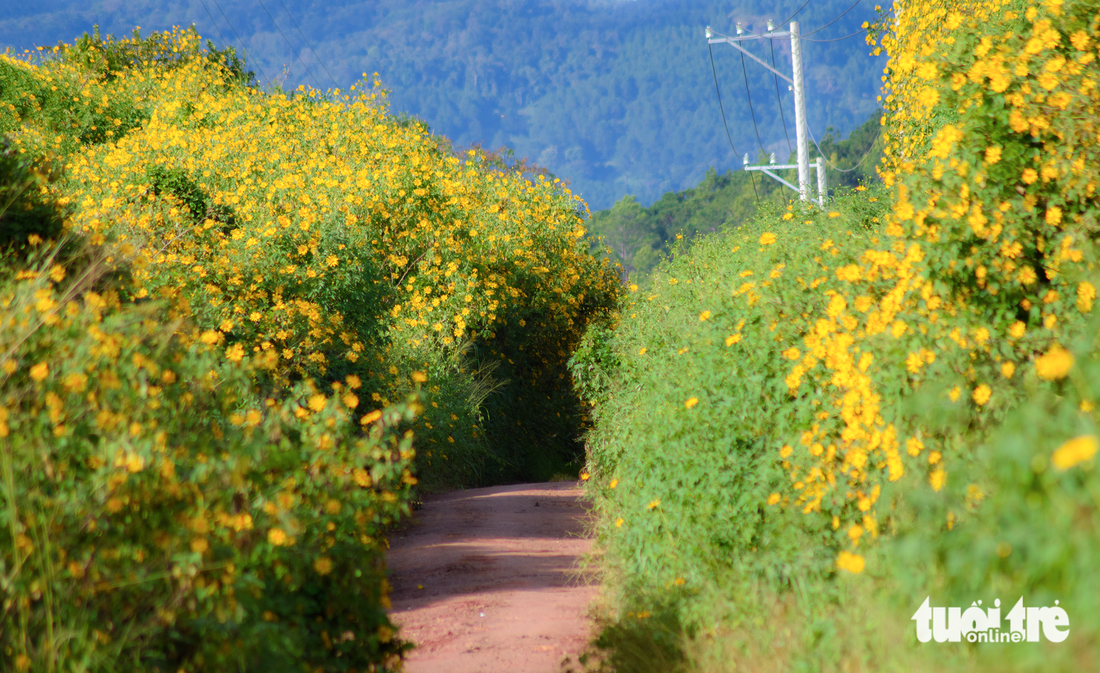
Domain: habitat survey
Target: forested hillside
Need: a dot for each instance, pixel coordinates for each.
(617, 97)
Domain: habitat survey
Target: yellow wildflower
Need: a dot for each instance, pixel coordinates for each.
(850, 562)
(1075, 451)
(1054, 364)
(323, 565)
(317, 402)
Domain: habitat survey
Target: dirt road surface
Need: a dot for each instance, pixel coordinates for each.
(487, 580)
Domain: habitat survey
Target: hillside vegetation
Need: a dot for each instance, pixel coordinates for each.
(617, 97)
(807, 425)
(236, 329)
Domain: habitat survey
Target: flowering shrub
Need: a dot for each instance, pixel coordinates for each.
(324, 230)
(207, 413)
(878, 367)
(158, 514)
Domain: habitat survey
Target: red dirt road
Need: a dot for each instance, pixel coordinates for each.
(501, 587)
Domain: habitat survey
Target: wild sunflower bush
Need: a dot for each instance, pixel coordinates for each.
(208, 403)
(902, 362)
(158, 514)
(322, 228)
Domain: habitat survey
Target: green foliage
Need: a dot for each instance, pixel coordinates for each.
(208, 413)
(930, 437)
(69, 111)
(699, 399)
(157, 513)
(855, 159)
(108, 57)
(26, 207)
(176, 182)
(593, 364)
(1015, 520)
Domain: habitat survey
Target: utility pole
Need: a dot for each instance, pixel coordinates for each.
(797, 85)
(800, 115)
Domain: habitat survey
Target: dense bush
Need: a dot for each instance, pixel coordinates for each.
(26, 207)
(904, 391)
(345, 239)
(208, 404)
(158, 514)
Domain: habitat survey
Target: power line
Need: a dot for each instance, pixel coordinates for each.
(215, 23)
(723, 109)
(322, 63)
(296, 56)
(834, 20)
(788, 20)
(780, 98)
(748, 95)
(861, 31)
(234, 30)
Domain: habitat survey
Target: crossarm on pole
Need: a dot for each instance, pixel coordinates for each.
(733, 44)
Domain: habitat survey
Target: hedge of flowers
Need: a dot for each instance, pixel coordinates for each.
(784, 399)
(212, 382)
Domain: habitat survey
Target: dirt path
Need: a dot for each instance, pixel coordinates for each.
(501, 590)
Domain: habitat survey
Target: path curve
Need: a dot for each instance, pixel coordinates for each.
(501, 588)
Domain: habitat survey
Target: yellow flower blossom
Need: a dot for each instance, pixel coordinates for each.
(235, 353)
(1075, 451)
(849, 562)
(323, 565)
(1054, 364)
(317, 402)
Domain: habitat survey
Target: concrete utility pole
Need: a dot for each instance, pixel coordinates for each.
(800, 115)
(801, 131)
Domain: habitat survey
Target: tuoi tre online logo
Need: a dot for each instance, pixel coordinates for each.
(986, 625)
